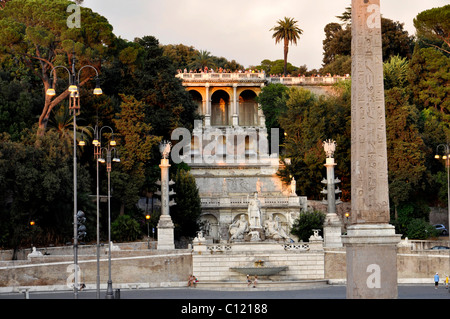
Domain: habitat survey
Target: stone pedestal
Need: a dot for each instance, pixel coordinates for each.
(332, 231)
(371, 261)
(165, 233)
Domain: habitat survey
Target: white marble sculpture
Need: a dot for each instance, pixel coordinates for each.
(238, 228)
(254, 212)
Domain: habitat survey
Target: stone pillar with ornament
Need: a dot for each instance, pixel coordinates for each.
(332, 225)
(165, 224)
(371, 242)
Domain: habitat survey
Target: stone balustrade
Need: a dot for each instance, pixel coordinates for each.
(260, 77)
(211, 77)
(243, 201)
(307, 80)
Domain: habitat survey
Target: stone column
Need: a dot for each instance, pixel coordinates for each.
(261, 117)
(371, 243)
(235, 120)
(332, 225)
(165, 224)
(208, 107)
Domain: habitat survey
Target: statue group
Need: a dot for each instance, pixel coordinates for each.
(248, 226)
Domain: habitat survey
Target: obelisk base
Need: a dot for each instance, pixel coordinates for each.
(332, 231)
(371, 261)
(165, 233)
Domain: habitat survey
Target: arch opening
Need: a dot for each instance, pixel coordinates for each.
(248, 109)
(220, 105)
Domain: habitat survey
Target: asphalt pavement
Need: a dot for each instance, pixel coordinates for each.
(322, 292)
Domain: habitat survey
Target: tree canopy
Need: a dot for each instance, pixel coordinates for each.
(143, 102)
(337, 43)
(434, 26)
(36, 34)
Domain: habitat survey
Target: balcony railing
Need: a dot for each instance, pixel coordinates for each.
(243, 201)
(260, 77)
(221, 76)
(307, 80)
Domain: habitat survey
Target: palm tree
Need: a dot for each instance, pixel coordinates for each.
(288, 31)
(202, 59)
(61, 122)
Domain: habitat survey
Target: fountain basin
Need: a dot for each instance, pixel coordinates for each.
(259, 271)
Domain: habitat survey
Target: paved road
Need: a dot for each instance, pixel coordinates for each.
(327, 292)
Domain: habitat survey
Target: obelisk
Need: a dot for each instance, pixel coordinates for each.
(371, 243)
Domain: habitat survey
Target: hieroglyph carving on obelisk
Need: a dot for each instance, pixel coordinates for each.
(370, 194)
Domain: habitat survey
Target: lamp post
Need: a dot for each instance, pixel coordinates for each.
(109, 149)
(147, 217)
(74, 107)
(97, 152)
(446, 157)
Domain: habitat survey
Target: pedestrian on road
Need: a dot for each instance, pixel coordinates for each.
(436, 281)
(446, 282)
(255, 281)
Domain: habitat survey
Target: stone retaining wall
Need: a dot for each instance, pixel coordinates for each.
(135, 265)
(149, 267)
(412, 266)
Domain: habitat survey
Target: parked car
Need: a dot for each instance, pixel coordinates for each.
(441, 229)
(440, 247)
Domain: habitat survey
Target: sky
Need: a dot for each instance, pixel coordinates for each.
(240, 29)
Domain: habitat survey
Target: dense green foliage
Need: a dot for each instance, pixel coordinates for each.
(306, 120)
(187, 210)
(337, 43)
(306, 222)
(417, 121)
(125, 228)
(37, 185)
(142, 102)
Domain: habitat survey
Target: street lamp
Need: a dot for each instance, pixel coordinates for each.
(446, 157)
(147, 217)
(109, 149)
(74, 107)
(97, 152)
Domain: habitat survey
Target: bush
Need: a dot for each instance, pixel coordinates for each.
(125, 228)
(306, 222)
(418, 228)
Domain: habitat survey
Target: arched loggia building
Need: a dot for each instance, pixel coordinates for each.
(229, 155)
(226, 99)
